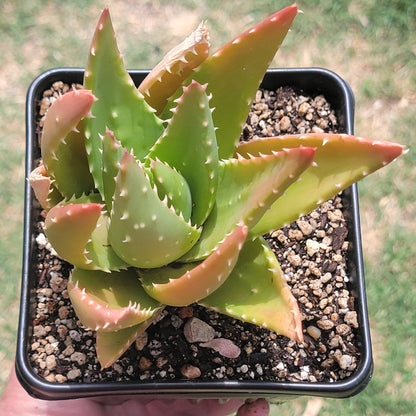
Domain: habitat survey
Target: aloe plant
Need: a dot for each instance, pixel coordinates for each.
(155, 202)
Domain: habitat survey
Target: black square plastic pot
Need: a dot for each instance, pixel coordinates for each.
(310, 81)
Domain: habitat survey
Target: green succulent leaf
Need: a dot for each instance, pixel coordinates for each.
(170, 184)
(143, 230)
(234, 73)
(99, 251)
(77, 221)
(181, 285)
(256, 291)
(111, 157)
(111, 345)
(247, 188)
(110, 301)
(340, 160)
(119, 107)
(63, 145)
(189, 145)
(86, 222)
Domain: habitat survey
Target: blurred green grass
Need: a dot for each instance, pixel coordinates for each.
(370, 43)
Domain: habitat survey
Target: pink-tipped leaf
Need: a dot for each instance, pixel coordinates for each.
(246, 190)
(340, 160)
(63, 143)
(181, 285)
(109, 301)
(256, 291)
(234, 72)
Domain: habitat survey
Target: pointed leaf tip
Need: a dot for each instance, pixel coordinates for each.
(257, 292)
(109, 301)
(77, 220)
(63, 117)
(234, 72)
(358, 156)
(181, 286)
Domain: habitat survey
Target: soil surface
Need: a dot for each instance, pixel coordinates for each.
(313, 253)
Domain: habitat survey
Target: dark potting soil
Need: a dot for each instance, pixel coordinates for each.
(313, 255)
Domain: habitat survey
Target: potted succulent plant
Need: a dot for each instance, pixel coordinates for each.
(149, 194)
